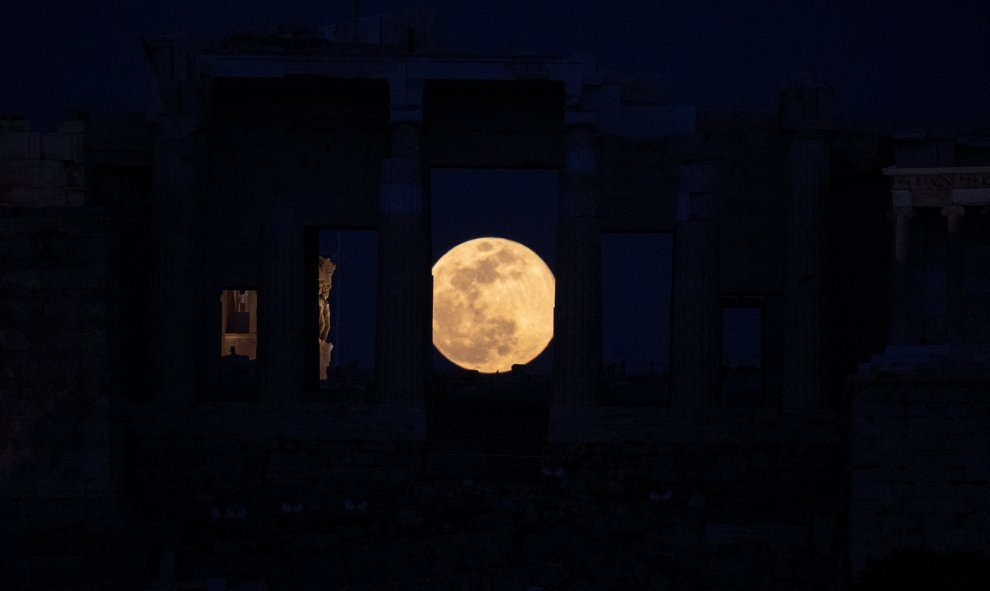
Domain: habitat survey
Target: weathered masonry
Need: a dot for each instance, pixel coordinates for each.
(181, 413)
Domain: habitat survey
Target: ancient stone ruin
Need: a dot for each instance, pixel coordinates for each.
(325, 283)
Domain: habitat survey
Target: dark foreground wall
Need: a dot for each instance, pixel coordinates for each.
(54, 349)
(920, 464)
(257, 497)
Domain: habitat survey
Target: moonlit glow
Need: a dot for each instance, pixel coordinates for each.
(492, 304)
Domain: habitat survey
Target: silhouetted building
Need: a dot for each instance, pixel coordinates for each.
(171, 423)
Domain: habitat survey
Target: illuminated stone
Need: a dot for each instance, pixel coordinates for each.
(325, 283)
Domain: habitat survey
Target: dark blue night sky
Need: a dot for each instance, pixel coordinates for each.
(903, 65)
(892, 64)
(353, 296)
(520, 205)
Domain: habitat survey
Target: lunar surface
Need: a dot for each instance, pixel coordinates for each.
(492, 304)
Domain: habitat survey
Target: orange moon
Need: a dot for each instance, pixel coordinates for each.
(492, 304)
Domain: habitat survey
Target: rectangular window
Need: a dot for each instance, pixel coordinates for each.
(636, 295)
(238, 342)
(346, 272)
(508, 409)
(742, 351)
(516, 204)
(239, 323)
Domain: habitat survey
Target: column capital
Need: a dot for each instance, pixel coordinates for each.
(951, 211)
(405, 140)
(901, 211)
(406, 99)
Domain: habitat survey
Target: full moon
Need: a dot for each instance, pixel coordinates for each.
(492, 304)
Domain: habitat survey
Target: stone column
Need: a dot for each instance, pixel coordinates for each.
(223, 321)
(174, 219)
(405, 286)
(252, 302)
(805, 108)
(900, 277)
(803, 336)
(577, 315)
(953, 275)
(283, 305)
(695, 320)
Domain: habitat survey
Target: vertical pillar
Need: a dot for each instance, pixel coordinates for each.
(223, 321)
(281, 335)
(953, 274)
(900, 277)
(803, 336)
(577, 315)
(805, 105)
(252, 303)
(405, 286)
(695, 320)
(173, 227)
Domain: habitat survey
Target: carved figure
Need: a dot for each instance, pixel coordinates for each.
(325, 283)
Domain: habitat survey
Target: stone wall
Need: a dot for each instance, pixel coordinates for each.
(56, 450)
(41, 169)
(54, 333)
(60, 521)
(336, 497)
(919, 465)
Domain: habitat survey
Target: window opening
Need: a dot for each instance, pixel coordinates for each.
(239, 323)
(636, 299)
(742, 351)
(347, 284)
(238, 342)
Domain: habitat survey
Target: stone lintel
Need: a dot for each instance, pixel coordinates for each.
(940, 186)
(979, 196)
(900, 199)
(570, 71)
